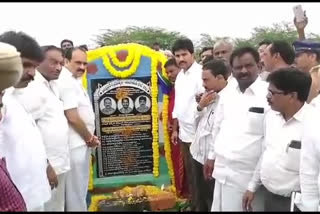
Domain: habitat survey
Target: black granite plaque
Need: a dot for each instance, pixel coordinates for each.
(124, 124)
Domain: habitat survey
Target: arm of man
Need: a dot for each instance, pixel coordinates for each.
(217, 120)
(300, 26)
(80, 127)
(70, 104)
(309, 170)
(174, 135)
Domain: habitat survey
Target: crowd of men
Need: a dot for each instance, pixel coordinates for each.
(242, 122)
(245, 125)
(47, 126)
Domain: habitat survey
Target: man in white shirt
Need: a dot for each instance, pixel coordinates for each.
(41, 99)
(20, 139)
(309, 164)
(262, 47)
(279, 54)
(237, 133)
(214, 76)
(278, 169)
(187, 85)
(222, 49)
(79, 113)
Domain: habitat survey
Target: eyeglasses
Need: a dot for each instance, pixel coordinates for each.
(270, 92)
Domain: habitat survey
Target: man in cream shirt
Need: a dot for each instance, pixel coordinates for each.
(187, 85)
(238, 133)
(20, 139)
(214, 75)
(41, 99)
(279, 166)
(80, 115)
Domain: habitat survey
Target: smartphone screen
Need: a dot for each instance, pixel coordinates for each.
(298, 13)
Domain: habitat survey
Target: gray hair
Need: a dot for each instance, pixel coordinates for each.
(224, 41)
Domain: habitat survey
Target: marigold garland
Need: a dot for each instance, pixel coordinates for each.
(165, 108)
(167, 145)
(90, 185)
(125, 73)
(129, 58)
(154, 110)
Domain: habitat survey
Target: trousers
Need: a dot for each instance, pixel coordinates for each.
(57, 201)
(77, 179)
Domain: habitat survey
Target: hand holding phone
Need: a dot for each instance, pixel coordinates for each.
(298, 13)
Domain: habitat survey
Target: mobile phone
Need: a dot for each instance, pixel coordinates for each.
(298, 13)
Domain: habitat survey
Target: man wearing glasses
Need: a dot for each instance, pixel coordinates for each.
(278, 169)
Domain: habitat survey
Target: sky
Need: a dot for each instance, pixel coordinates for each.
(50, 23)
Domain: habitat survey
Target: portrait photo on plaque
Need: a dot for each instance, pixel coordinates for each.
(125, 105)
(142, 104)
(108, 105)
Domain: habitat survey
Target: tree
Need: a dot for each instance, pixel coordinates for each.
(142, 35)
(278, 31)
(206, 40)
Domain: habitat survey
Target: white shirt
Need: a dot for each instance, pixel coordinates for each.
(238, 135)
(199, 148)
(187, 85)
(315, 102)
(41, 100)
(264, 75)
(22, 146)
(74, 95)
(280, 162)
(310, 164)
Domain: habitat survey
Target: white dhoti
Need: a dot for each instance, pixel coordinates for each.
(229, 198)
(77, 179)
(37, 209)
(57, 201)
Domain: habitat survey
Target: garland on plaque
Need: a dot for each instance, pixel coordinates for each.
(166, 87)
(135, 51)
(122, 62)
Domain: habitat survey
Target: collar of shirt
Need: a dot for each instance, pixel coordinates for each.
(193, 67)
(254, 88)
(39, 77)
(298, 116)
(51, 85)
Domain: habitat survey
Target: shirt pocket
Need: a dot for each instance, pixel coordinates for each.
(255, 123)
(291, 159)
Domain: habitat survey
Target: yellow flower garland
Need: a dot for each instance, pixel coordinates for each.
(167, 145)
(165, 108)
(129, 58)
(155, 134)
(90, 185)
(125, 73)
